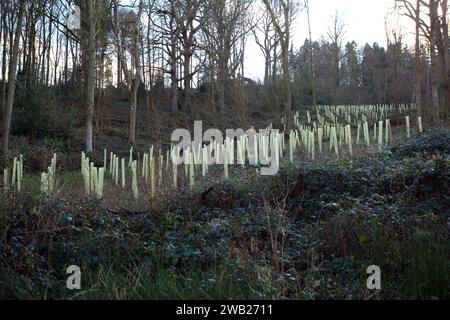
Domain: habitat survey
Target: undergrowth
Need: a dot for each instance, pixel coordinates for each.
(310, 232)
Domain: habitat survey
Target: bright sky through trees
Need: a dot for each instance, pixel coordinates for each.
(365, 20)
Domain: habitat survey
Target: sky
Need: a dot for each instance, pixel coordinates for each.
(364, 19)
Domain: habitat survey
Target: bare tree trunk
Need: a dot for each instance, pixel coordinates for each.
(66, 61)
(119, 45)
(223, 77)
(150, 58)
(335, 73)
(12, 81)
(284, 35)
(137, 76)
(311, 57)
(174, 89)
(397, 48)
(211, 87)
(133, 107)
(3, 64)
(285, 62)
(100, 114)
(418, 71)
(173, 70)
(90, 83)
(4, 53)
(273, 85)
(240, 90)
(267, 67)
(57, 59)
(50, 24)
(187, 78)
(434, 62)
(446, 54)
(287, 86)
(44, 49)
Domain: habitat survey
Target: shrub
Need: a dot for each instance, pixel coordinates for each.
(431, 141)
(35, 113)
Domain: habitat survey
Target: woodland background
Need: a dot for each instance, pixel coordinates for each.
(148, 67)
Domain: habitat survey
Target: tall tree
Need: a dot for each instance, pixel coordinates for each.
(336, 33)
(352, 71)
(5, 33)
(223, 31)
(267, 40)
(445, 54)
(128, 23)
(435, 30)
(7, 117)
(169, 30)
(417, 53)
(311, 56)
(394, 36)
(282, 13)
(191, 22)
(89, 59)
(434, 24)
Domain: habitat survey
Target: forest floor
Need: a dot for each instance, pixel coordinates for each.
(310, 232)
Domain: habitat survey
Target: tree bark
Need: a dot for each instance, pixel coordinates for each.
(12, 81)
(446, 55)
(311, 57)
(137, 77)
(418, 71)
(173, 74)
(284, 42)
(287, 86)
(90, 81)
(4, 54)
(434, 62)
(187, 77)
(119, 45)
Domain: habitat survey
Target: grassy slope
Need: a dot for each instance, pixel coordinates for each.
(308, 233)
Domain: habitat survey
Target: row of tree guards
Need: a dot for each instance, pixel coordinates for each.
(342, 127)
(17, 175)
